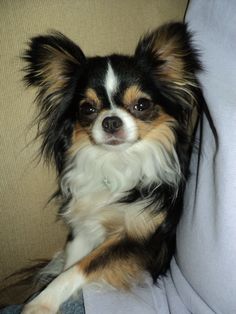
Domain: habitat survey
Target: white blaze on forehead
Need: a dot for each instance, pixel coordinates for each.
(111, 83)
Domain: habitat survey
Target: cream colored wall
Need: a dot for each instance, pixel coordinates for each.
(27, 229)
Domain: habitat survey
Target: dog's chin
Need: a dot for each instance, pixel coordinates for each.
(116, 144)
(117, 141)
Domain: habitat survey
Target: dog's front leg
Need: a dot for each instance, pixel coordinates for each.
(117, 261)
(57, 292)
(81, 245)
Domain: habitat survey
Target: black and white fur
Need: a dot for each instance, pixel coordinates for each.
(117, 128)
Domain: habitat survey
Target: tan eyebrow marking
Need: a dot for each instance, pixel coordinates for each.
(91, 95)
(132, 94)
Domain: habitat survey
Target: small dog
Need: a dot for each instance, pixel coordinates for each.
(117, 128)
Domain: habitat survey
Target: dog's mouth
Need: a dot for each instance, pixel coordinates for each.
(114, 142)
(115, 139)
(117, 142)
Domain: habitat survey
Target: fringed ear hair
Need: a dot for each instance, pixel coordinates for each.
(169, 56)
(53, 62)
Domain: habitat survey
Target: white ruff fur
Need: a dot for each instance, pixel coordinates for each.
(96, 170)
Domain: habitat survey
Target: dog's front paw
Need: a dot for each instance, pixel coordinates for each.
(38, 309)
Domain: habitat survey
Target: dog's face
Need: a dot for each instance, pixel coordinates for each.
(113, 102)
(117, 106)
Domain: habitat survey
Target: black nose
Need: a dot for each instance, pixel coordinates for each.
(111, 124)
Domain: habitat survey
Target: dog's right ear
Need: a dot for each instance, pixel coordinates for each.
(54, 64)
(52, 61)
(172, 61)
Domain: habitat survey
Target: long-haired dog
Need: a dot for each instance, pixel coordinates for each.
(117, 128)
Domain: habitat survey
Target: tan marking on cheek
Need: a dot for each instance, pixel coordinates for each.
(146, 127)
(164, 134)
(160, 129)
(80, 138)
(133, 94)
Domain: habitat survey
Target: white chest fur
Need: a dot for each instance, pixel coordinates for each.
(96, 179)
(96, 170)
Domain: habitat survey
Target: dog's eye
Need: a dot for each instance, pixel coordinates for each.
(87, 109)
(142, 105)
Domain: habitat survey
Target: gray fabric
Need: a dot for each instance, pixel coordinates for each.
(72, 306)
(206, 237)
(13, 309)
(202, 278)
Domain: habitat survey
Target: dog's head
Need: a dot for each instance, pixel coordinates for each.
(114, 103)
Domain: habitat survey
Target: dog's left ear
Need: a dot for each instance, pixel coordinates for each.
(53, 65)
(168, 55)
(51, 62)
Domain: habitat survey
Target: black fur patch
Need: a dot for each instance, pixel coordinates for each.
(164, 66)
